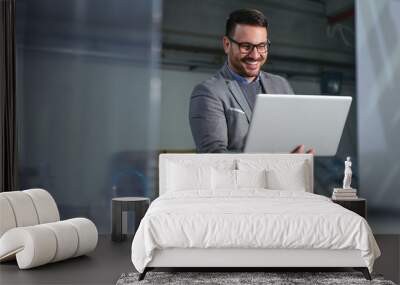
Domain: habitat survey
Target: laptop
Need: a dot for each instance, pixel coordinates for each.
(282, 122)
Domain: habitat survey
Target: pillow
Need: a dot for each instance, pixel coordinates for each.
(223, 179)
(251, 178)
(183, 177)
(236, 179)
(293, 179)
(281, 174)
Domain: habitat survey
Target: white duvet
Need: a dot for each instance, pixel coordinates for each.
(250, 218)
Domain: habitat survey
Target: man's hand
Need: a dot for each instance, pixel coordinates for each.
(301, 148)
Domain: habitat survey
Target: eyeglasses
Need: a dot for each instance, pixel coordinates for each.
(246, 48)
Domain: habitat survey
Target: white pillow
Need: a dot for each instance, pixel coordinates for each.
(293, 179)
(182, 177)
(251, 178)
(224, 179)
(235, 179)
(282, 174)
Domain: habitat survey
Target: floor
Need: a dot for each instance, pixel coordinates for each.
(110, 260)
(103, 266)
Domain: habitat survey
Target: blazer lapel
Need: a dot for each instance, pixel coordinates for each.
(266, 83)
(237, 93)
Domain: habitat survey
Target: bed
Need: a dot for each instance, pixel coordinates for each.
(246, 211)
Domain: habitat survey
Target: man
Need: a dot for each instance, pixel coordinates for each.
(221, 107)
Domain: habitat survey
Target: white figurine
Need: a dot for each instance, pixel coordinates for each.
(347, 174)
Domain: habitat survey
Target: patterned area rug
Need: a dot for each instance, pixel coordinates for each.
(275, 278)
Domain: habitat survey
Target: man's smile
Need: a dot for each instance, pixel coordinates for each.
(252, 63)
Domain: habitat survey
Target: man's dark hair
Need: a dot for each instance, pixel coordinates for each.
(251, 17)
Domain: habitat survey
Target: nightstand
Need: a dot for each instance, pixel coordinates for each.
(358, 206)
(124, 204)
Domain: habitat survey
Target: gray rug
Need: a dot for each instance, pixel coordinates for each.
(228, 278)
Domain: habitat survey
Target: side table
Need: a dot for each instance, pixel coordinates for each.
(358, 206)
(123, 204)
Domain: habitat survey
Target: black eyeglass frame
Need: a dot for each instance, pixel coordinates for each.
(267, 46)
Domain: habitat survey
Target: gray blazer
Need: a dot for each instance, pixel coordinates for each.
(219, 114)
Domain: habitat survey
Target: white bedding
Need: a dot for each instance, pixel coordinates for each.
(251, 218)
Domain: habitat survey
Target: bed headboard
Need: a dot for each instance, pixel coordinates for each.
(232, 160)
